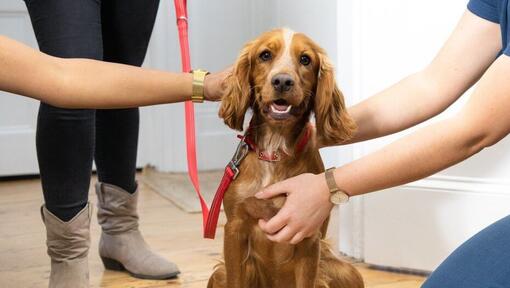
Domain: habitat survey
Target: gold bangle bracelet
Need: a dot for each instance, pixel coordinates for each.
(197, 95)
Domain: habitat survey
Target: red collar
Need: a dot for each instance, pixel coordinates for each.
(278, 155)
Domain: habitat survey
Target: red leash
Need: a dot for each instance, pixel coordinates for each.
(209, 217)
(182, 26)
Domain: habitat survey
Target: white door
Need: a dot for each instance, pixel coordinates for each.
(17, 114)
(416, 225)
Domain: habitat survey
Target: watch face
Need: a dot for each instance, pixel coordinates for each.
(338, 198)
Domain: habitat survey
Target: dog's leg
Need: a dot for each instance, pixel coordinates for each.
(337, 273)
(217, 279)
(307, 266)
(235, 247)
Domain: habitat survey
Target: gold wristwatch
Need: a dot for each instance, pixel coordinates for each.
(197, 95)
(337, 195)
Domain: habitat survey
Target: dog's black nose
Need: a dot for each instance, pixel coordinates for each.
(282, 82)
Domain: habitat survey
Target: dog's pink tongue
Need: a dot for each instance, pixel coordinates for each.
(280, 107)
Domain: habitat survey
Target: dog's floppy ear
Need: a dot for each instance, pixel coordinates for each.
(237, 97)
(333, 124)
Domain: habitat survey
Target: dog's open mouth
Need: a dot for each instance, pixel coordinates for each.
(280, 109)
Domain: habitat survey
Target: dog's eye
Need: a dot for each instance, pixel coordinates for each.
(265, 56)
(305, 60)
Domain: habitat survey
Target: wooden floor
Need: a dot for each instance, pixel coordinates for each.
(170, 231)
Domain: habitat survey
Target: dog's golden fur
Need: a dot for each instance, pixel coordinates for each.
(251, 260)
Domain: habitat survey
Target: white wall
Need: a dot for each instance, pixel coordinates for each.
(17, 114)
(416, 225)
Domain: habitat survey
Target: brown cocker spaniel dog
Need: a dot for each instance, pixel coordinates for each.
(283, 77)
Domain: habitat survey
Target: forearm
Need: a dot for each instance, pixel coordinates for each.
(413, 100)
(82, 83)
(308, 201)
(457, 66)
(419, 155)
(482, 122)
(92, 84)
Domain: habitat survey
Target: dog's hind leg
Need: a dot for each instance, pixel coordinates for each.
(337, 273)
(218, 279)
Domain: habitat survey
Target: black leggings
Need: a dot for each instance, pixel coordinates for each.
(68, 140)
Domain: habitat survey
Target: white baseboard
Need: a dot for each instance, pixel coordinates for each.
(418, 225)
(462, 185)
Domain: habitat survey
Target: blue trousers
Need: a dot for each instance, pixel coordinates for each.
(481, 262)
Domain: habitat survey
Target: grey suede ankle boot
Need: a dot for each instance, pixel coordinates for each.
(122, 246)
(68, 245)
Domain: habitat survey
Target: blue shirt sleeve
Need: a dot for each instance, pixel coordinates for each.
(487, 9)
(506, 51)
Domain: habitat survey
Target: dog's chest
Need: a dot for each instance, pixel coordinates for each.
(275, 254)
(254, 176)
(267, 174)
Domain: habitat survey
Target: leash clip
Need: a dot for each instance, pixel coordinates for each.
(241, 152)
(234, 169)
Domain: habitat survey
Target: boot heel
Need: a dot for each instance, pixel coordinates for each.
(111, 264)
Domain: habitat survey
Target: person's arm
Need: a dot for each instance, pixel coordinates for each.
(426, 152)
(481, 123)
(83, 83)
(470, 49)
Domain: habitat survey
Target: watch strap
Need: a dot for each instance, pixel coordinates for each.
(337, 195)
(330, 180)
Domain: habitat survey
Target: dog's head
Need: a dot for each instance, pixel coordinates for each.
(284, 76)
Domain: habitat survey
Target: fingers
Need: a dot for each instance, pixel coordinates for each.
(297, 238)
(213, 84)
(275, 224)
(288, 235)
(279, 230)
(284, 236)
(273, 190)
